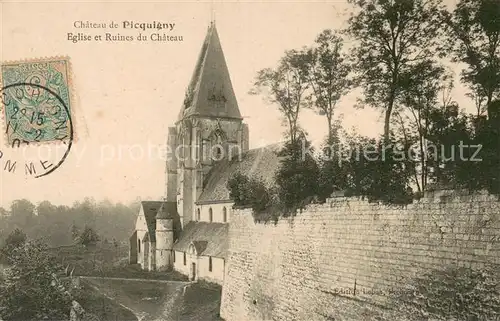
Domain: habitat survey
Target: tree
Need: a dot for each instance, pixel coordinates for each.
(45, 209)
(297, 177)
(286, 86)
(252, 192)
(88, 236)
(377, 170)
(328, 75)
(474, 39)
(75, 232)
(332, 176)
(420, 95)
(3, 212)
(15, 240)
(448, 128)
(22, 213)
(393, 36)
(31, 290)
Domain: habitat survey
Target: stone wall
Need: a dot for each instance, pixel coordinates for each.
(342, 260)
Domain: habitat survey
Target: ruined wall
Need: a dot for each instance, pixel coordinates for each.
(342, 259)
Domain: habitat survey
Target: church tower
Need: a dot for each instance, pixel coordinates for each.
(209, 128)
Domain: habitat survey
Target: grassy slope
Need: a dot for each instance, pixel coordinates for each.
(102, 307)
(201, 302)
(164, 301)
(143, 297)
(107, 260)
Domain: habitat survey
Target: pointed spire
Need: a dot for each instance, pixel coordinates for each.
(212, 17)
(210, 92)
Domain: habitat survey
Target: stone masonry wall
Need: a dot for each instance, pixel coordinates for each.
(341, 260)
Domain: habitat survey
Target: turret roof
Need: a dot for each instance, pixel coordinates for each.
(167, 210)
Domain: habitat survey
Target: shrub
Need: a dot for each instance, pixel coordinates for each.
(16, 239)
(297, 178)
(88, 237)
(31, 290)
(251, 192)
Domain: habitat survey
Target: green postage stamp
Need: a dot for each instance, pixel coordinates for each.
(36, 101)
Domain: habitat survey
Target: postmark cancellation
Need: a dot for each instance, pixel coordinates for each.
(36, 101)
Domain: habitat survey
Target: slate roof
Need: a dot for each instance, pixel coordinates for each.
(209, 239)
(260, 162)
(210, 90)
(150, 209)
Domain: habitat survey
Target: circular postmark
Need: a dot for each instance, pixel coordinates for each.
(38, 128)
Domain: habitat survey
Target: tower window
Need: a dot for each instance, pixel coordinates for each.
(218, 152)
(224, 214)
(210, 264)
(205, 151)
(173, 253)
(138, 246)
(210, 214)
(185, 258)
(198, 215)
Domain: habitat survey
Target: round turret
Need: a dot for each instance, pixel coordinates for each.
(164, 235)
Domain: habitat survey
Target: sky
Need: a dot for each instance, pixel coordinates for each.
(127, 94)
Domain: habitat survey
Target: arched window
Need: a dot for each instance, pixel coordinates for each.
(218, 153)
(217, 148)
(198, 215)
(173, 253)
(210, 214)
(210, 264)
(224, 214)
(138, 246)
(185, 258)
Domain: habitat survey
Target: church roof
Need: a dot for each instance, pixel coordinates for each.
(261, 162)
(150, 209)
(209, 239)
(210, 92)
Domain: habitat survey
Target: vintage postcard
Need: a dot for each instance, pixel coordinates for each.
(250, 160)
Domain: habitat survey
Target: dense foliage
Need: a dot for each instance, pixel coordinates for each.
(401, 54)
(31, 290)
(250, 192)
(14, 240)
(88, 237)
(57, 225)
(297, 177)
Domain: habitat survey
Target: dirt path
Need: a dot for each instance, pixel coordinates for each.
(130, 279)
(148, 300)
